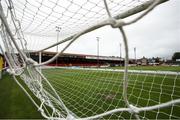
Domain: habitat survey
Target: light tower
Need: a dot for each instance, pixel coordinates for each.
(135, 54)
(58, 31)
(120, 64)
(97, 38)
(120, 51)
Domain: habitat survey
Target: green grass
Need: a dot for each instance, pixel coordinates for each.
(87, 93)
(154, 68)
(13, 102)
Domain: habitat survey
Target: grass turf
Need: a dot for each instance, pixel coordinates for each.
(154, 68)
(13, 102)
(89, 92)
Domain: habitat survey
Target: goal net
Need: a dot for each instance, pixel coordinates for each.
(82, 93)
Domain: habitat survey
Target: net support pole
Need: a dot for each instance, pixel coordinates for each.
(40, 60)
(40, 57)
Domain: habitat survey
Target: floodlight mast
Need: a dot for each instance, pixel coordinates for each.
(135, 54)
(120, 51)
(58, 31)
(98, 52)
(120, 56)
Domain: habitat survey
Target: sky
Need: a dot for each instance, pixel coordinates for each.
(156, 35)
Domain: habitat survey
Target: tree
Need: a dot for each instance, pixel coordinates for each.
(175, 56)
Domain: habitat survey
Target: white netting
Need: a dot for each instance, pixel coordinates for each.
(83, 93)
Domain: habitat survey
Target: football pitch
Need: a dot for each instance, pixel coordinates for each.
(90, 92)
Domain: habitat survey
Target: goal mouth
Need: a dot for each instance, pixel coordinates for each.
(83, 93)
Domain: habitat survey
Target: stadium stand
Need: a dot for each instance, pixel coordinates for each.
(83, 60)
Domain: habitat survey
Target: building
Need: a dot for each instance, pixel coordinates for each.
(143, 61)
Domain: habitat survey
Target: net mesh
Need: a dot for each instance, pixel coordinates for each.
(83, 93)
(73, 16)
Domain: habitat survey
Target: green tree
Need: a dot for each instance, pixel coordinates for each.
(175, 56)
